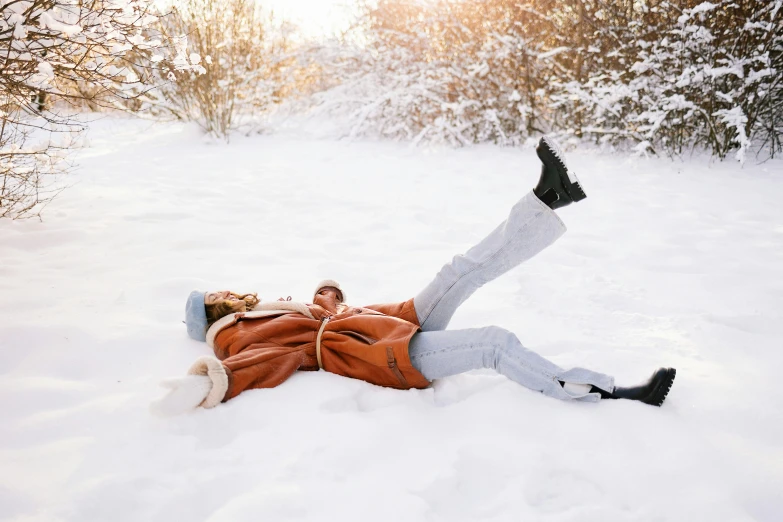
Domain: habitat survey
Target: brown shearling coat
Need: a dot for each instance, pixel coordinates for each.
(368, 343)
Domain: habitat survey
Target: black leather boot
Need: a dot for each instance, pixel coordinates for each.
(653, 391)
(557, 186)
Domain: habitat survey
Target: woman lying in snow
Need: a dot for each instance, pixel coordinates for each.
(401, 345)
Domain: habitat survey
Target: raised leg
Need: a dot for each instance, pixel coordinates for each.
(531, 226)
(439, 354)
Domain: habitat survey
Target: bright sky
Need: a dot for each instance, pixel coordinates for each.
(315, 17)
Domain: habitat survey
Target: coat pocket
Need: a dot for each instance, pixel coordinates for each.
(362, 338)
(392, 362)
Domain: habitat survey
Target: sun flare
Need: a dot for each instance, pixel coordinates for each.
(314, 17)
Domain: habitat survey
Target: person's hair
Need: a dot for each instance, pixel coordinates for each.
(224, 307)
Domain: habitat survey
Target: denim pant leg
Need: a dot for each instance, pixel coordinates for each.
(530, 227)
(440, 354)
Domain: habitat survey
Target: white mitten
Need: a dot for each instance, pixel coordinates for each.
(186, 394)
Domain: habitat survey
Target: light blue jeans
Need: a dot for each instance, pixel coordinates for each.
(436, 352)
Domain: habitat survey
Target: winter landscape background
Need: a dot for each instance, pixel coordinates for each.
(209, 145)
(665, 263)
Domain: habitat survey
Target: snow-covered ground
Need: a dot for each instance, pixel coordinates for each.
(666, 263)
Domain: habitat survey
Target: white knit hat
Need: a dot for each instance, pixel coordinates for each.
(329, 282)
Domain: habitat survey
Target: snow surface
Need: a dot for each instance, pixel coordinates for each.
(666, 263)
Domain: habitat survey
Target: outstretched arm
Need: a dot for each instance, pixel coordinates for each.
(211, 381)
(260, 367)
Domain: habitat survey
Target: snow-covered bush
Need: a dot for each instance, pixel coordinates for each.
(706, 76)
(436, 70)
(247, 56)
(659, 76)
(54, 55)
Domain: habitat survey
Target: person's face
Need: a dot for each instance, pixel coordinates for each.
(331, 293)
(329, 298)
(215, 297)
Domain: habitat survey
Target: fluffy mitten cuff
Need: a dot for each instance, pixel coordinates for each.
(212, 367)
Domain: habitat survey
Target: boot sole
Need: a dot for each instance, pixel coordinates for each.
(550, 153)
(660, 392)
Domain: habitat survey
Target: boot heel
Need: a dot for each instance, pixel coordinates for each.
(575, 191)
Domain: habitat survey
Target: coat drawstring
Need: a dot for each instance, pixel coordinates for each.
(318, 341)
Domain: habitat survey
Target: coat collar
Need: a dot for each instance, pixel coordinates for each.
(269, 309)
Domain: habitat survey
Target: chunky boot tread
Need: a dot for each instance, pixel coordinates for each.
(660, 392)
(557, 152)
